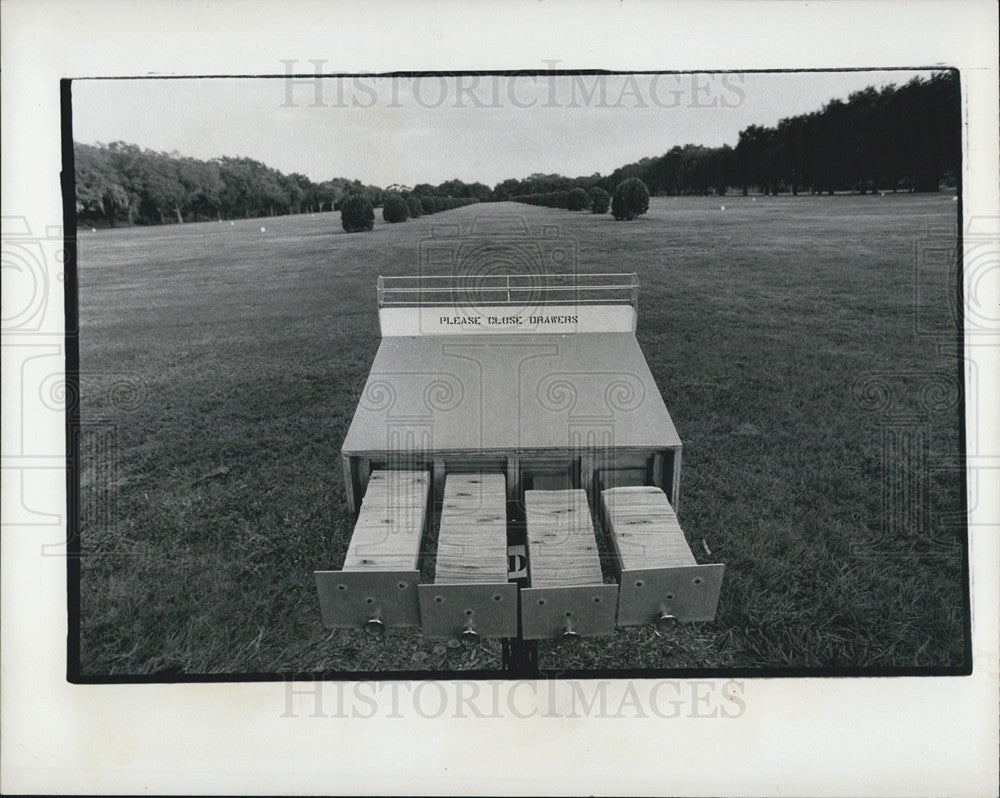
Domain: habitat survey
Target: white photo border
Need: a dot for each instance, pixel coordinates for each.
(850, 736)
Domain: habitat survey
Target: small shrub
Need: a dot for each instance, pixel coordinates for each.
(576, 200)
(428, 205)
(394, 208)
(631, 199)
(413, 203)
(356, 213)
(600, 200)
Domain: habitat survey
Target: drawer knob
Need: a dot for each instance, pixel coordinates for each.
(665, 622)
(470, 637)
(569, 636)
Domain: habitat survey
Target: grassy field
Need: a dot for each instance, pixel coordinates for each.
(222, 365)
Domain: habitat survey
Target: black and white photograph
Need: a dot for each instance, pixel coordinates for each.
(565, 388)
(417, 402)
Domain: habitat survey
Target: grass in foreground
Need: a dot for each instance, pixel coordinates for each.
(210, 499)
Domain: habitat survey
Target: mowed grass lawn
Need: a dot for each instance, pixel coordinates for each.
(222, 365)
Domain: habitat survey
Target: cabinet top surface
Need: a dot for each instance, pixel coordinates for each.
(479, 393)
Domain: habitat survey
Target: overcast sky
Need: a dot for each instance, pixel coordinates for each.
(430, 129)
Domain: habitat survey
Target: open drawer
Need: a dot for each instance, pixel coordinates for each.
(661, 583)
(377, 587)
(470, 598)
(568, 598)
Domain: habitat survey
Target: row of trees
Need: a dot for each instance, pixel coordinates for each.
(898, 138)
(687, 170)
(121, 183)
(357, 213)
(631, 199)
(576, 199)
(454, 189)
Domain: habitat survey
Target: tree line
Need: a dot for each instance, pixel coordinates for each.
(896, 138)
(905, 138)
(121, 183)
